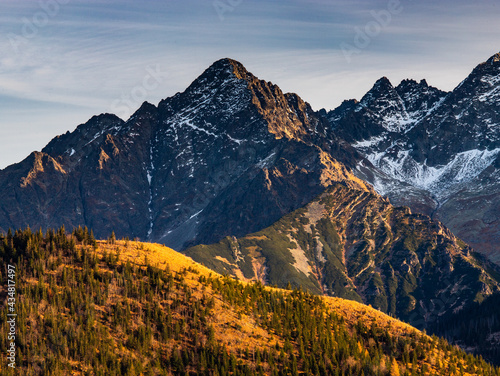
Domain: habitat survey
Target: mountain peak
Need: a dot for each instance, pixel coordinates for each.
(224, 63)
(490, 67)
(482, 86)
(381, 89)
(224, 72)
(228, 66)
(145, 108)
(494, 59)
(237, 68)
(382, 83)
(412, 82)
(232, 89)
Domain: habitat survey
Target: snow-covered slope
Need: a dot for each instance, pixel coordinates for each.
(444, 144)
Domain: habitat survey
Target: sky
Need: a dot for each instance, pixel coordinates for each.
(63, 61)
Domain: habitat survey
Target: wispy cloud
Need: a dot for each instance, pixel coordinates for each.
(92, 52)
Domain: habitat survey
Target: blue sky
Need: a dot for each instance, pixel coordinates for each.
(62, 61)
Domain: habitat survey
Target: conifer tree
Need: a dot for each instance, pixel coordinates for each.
(394, 368)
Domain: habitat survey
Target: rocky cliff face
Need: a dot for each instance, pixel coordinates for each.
(439, 150)
(230, 155)
(355, 244)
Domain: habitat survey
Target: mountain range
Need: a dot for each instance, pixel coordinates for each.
(354, 244)
(253, 182)
(180, 172)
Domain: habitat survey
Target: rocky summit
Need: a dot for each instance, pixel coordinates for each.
(230, 155)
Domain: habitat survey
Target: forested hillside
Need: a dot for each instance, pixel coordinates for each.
(88, 307)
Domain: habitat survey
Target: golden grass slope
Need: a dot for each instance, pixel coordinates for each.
(239, 331)
(160, 256)
(234, 329)
(130, 308)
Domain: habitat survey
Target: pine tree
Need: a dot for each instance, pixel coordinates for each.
(112, 238)
(394, 368)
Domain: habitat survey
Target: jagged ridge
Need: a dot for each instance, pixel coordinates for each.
(443, 158)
